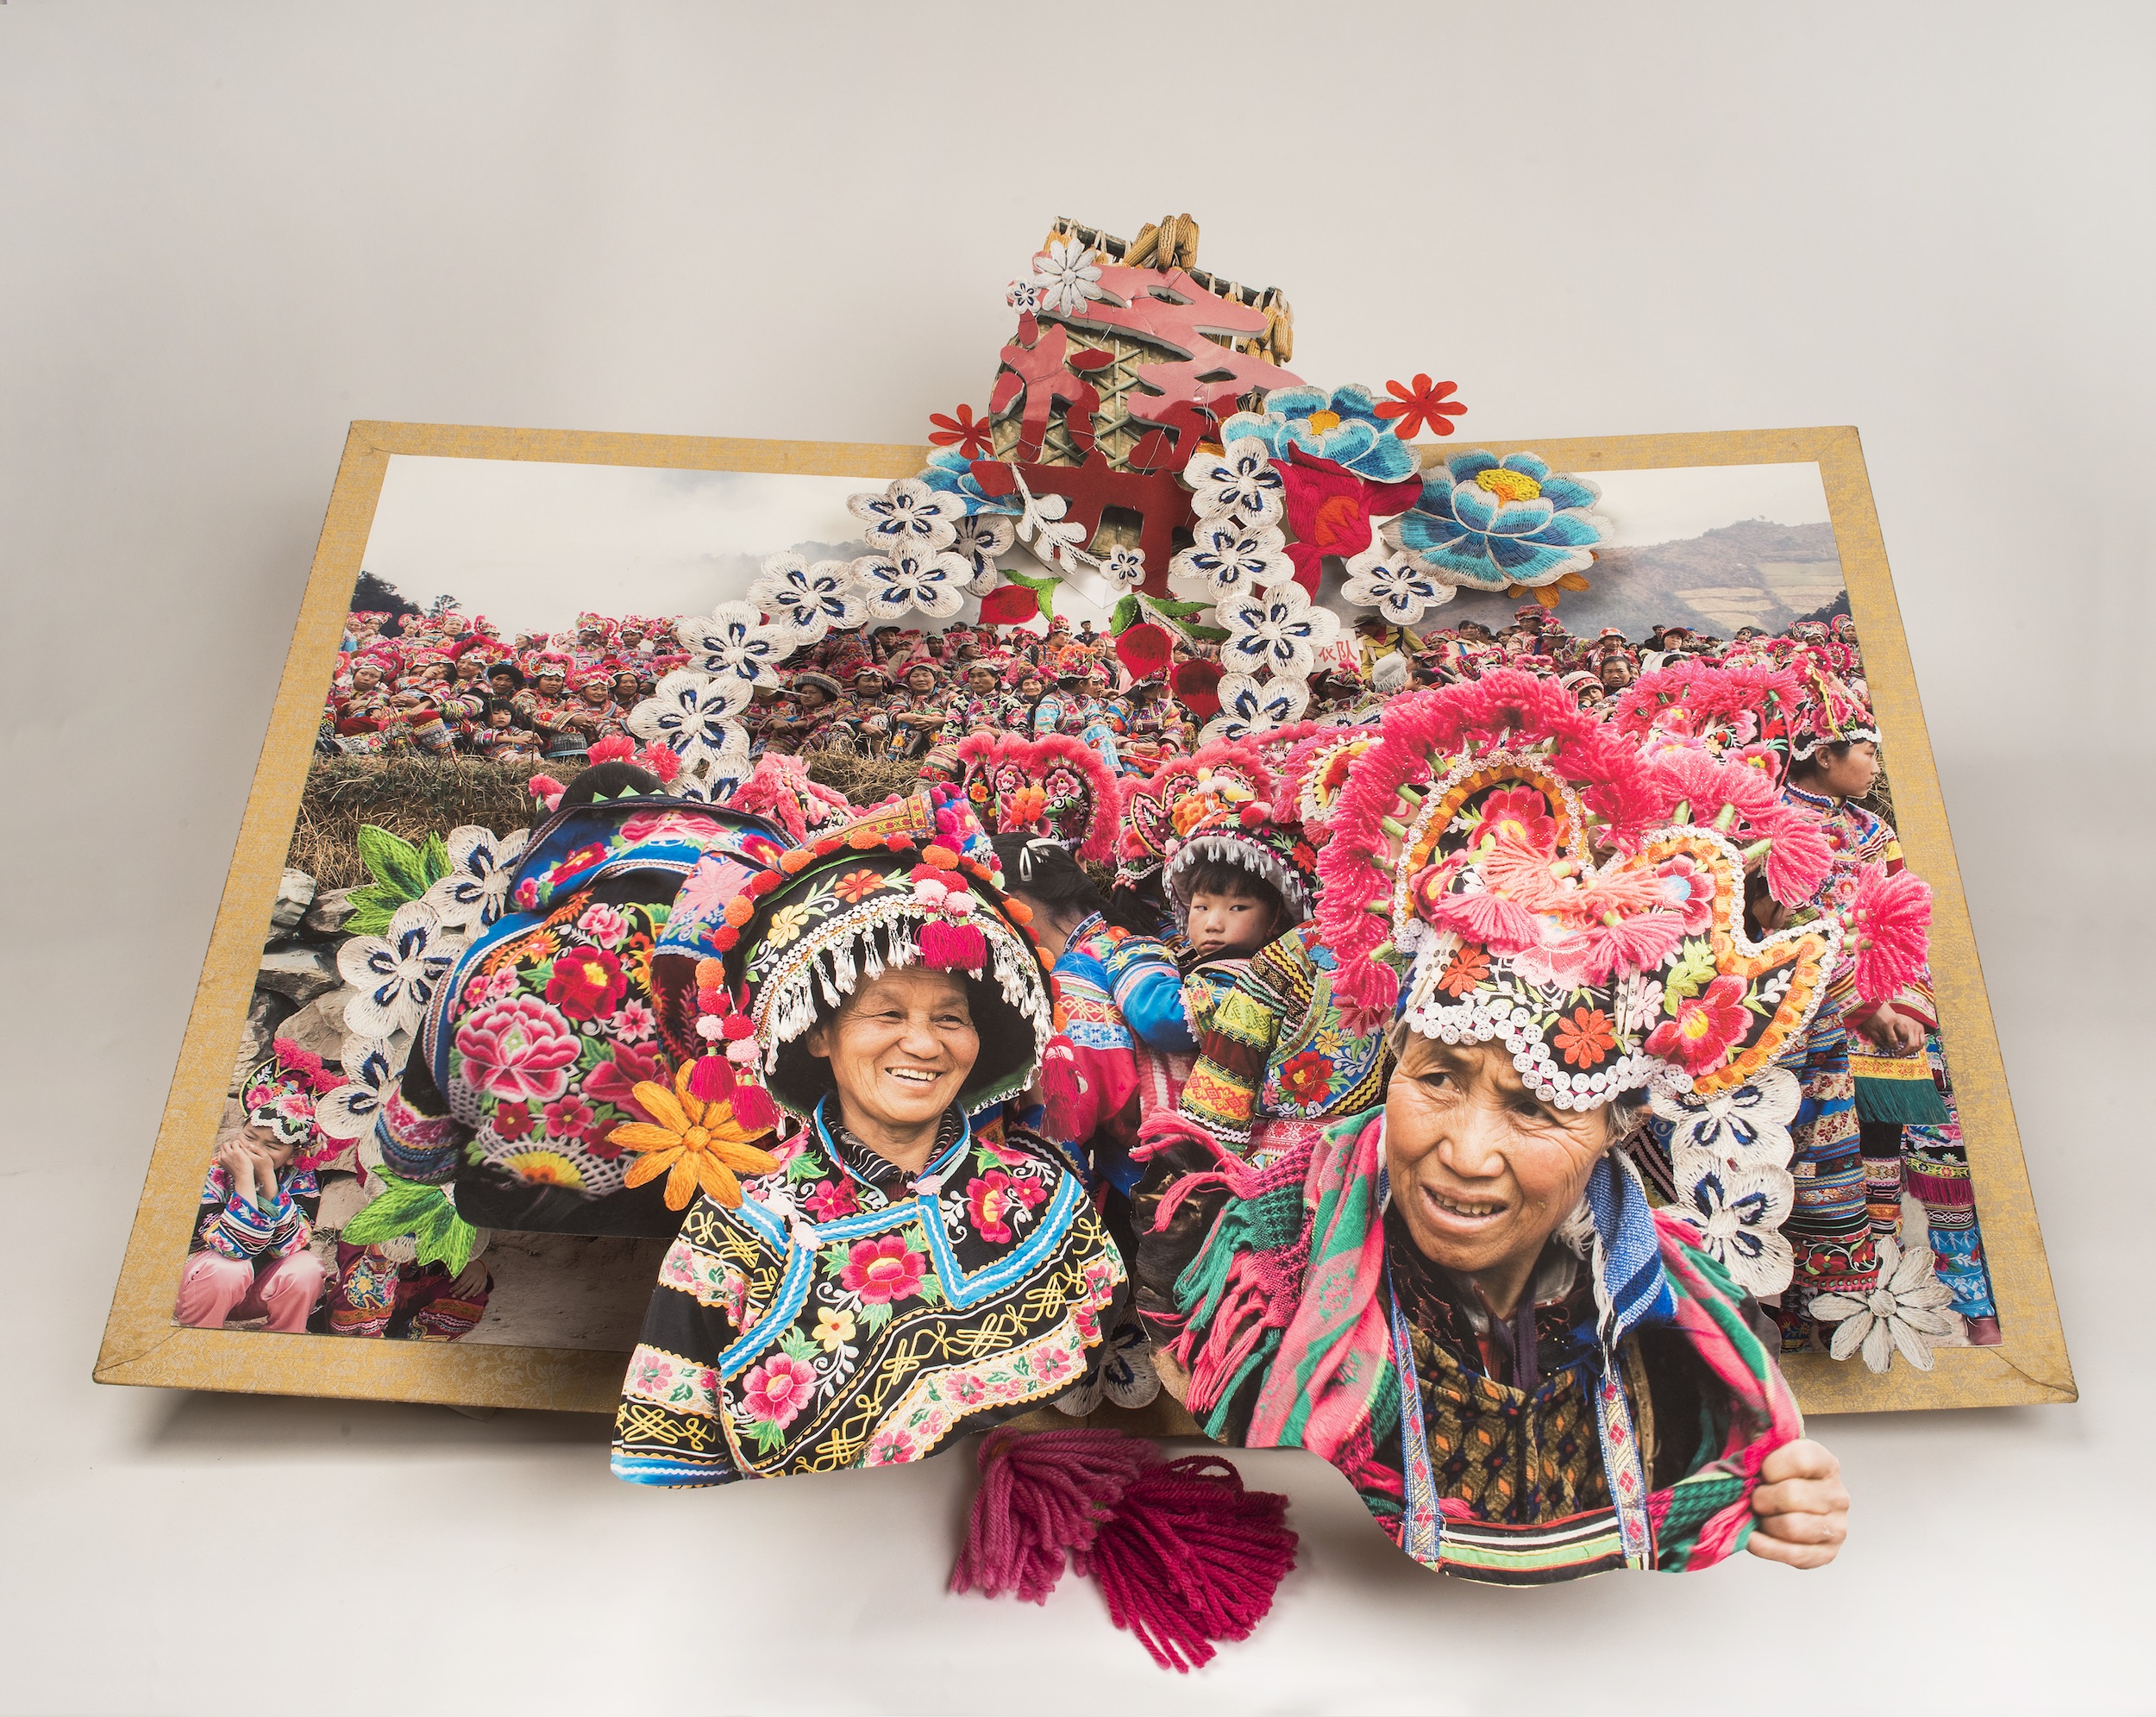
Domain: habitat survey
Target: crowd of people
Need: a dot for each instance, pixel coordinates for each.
(444, 684)
(1587, 951)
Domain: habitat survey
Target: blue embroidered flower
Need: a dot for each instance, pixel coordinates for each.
(1342, 426)
(1490, 523)
(951, 472)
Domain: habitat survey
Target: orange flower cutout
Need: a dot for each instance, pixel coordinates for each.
(692, 1144)
(1421, 402)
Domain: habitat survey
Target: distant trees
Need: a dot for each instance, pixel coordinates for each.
(372, 595)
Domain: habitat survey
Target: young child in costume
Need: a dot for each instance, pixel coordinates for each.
(501, 740)
(249, 1257)
(1908, 1127)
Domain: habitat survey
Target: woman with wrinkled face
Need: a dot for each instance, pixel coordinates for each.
(1483, 1173)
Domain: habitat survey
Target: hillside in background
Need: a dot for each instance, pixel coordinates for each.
(1752, 572)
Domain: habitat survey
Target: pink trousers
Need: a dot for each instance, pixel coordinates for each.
(214, 1287)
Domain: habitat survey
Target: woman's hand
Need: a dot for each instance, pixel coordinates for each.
(1894, 1032)
(1802, 1509)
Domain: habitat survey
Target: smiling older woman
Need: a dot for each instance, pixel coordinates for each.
(1464, 1300)
(908, 1265)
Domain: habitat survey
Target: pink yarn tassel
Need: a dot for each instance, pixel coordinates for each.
(1189, 1558)
(712, 1079)
(1041, 1497)
(947, 947)
(1061, 1090)
(1183, 1554)
(754, 1111)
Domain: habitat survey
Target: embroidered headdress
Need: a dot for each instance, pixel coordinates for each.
(1054, 785)
(1228, 769)
(751, 959)
(1211, 815)
(1831, 711)
(1742, 711)
(279, 1093)
(1551, 889)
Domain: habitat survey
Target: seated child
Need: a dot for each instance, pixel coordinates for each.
(249, 1257)
(501, 740)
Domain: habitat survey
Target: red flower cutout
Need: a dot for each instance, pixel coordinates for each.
(1424, 403)
(1143, 648)
(962, 431)
(1197, 683)
(1013, 605)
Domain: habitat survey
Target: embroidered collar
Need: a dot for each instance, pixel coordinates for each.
(873, 1169)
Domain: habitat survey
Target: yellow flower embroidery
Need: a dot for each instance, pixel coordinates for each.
(833, 1329)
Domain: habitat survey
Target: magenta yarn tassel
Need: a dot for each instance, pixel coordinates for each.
(947, 947)
(1189, 1558)
(1041, 1496)
(1183, 1554)
(712, 1079)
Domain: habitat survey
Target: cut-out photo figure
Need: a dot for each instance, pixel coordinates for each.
(1465, 1298)
(907, 1264)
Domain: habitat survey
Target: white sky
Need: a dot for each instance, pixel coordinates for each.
(529, 544)
(1669, 506)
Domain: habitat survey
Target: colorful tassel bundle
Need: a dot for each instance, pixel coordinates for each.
(1184, 1555)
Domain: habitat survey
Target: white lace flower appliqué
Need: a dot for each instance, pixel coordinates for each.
(1250, 706)
(1227, 557)
(808, 600)
(1237, 482)
(1067, 276)
(475, 893)
(907, 514)
(1277, 628)
(895, 584)
(1906, 1309)
(1125, 568)
(370, 1066)
(1393, 585)
(978, 540)
(692, 714)
(733, 640)
(396, 972)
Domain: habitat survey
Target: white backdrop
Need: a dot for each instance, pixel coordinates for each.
(229, 229)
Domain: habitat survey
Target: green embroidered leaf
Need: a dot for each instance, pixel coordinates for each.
(1127, 614)
(1211, 635)
(374, 904)
(1694, 971)
(1177, 611)
(806, 1167)
(434, 860)
(796, 1345)
(931, 1291)
(875, 1315)
(769, 1435)
(392, 862)
(405, 1207)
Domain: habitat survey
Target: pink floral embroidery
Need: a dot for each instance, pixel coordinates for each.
(778, 1388)
(517, 1048)
(605, 926)
(992, 1199)
(882, 1270)
(1704, 1028)
(827, 1202)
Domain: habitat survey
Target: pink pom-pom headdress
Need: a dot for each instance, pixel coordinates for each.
(1514, 859)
